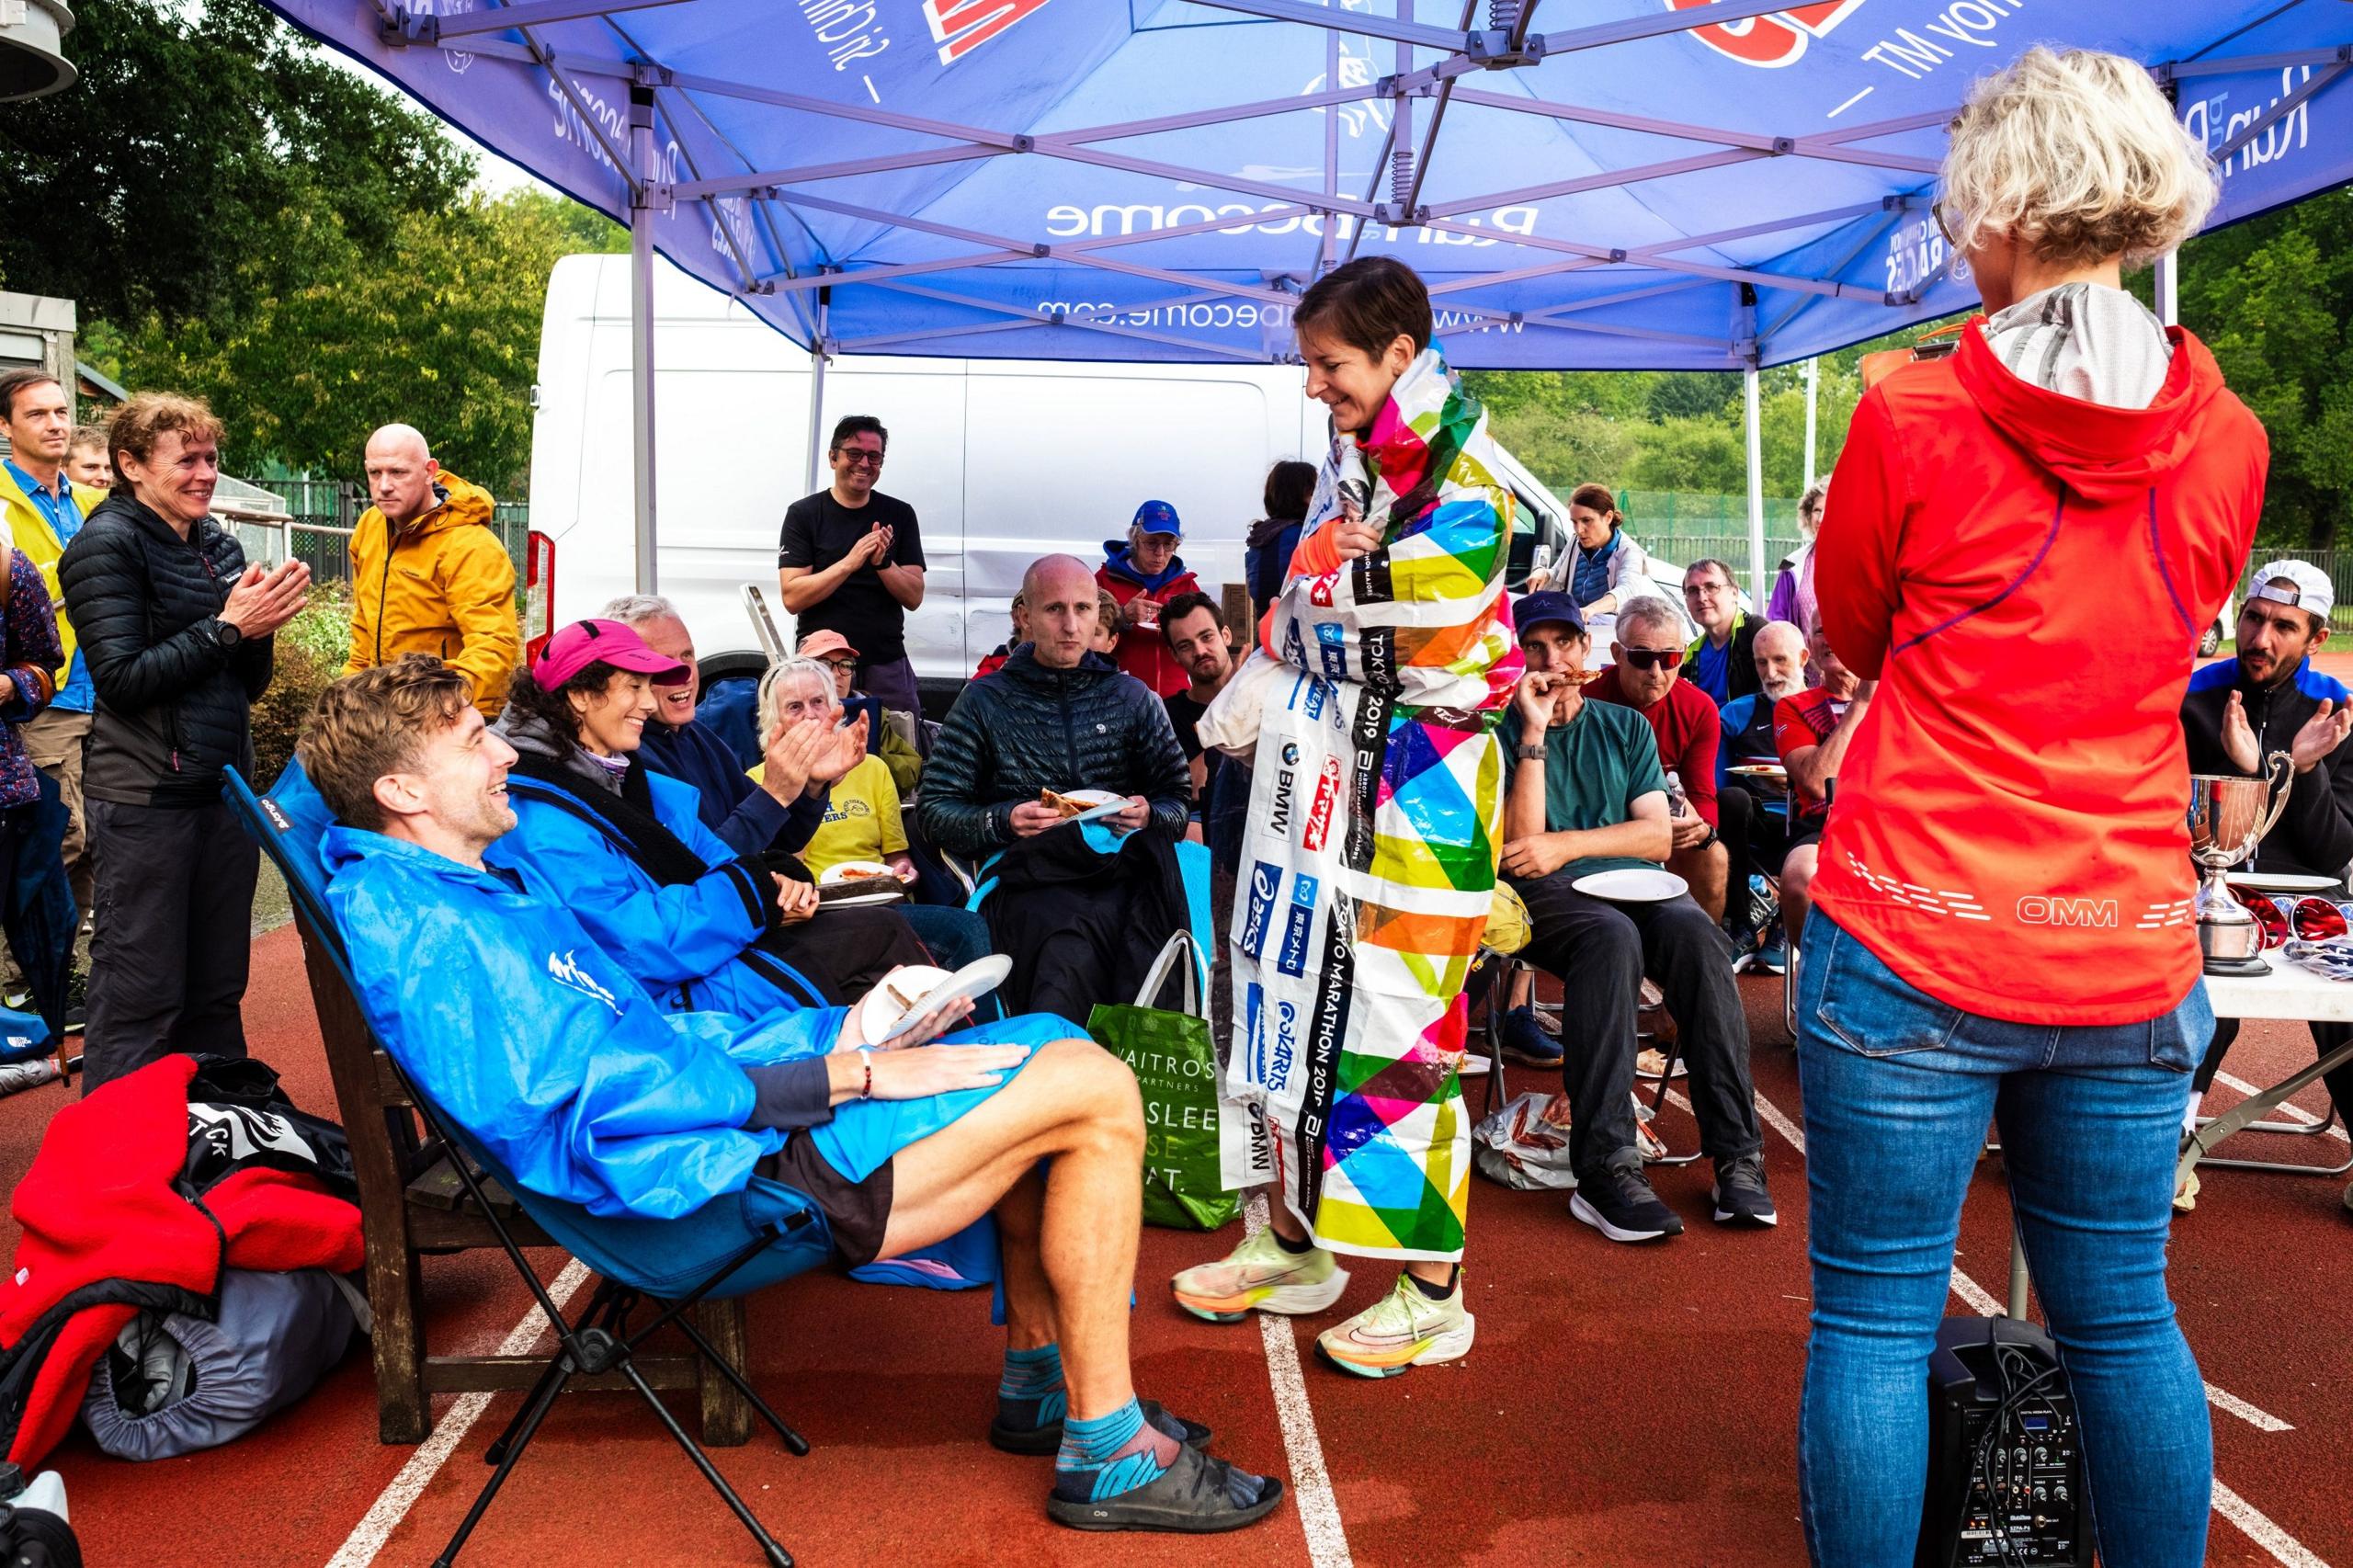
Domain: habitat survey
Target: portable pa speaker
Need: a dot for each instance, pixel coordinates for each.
(2005, 1462)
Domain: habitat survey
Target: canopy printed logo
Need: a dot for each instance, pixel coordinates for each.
(1774, 39)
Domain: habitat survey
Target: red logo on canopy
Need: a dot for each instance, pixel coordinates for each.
(960, 26)
(1778, 38)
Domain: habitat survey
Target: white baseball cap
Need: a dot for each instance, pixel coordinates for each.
(2311, 591)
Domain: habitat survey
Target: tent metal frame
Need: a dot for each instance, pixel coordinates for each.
(779, 195)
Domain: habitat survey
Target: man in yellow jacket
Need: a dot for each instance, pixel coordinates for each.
(428, 572)
(42, 510)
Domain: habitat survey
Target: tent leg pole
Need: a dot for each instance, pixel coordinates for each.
(1813, 402)
(641, 326)
(2165, 279)
(1758, 588)
(817, 394)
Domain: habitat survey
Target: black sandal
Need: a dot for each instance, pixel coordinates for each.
(1048, 1440)
(1193, 1496)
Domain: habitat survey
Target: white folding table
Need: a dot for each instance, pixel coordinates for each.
(2286, 992)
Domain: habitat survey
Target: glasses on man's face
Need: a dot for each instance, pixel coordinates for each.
(1944, 225)
(1702, 590)
(853, 458)
(1654, 658)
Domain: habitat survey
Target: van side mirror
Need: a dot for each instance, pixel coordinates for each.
(1541, 564)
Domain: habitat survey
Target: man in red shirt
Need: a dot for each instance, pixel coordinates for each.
(1649, 655)
(1811, 731)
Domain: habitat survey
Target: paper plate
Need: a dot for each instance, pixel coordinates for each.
(847, 899)
(2283, 881)
(918, 989)
(858, 871)
(1760, 770)
(1632, 884)
(1090, 798)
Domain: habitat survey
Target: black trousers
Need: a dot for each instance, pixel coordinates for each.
(2325, 1039)
(174, 889)
(1755, 838)
(1600, 951)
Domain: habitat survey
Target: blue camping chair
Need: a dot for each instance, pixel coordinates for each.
(724, 1250)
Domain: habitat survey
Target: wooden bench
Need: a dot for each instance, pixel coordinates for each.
(412, 1202)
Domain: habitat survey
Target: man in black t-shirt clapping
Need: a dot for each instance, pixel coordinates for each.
(851, 560)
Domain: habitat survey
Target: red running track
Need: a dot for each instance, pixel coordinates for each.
(1623, 1406)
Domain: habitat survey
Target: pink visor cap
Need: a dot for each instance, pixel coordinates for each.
(584, 642)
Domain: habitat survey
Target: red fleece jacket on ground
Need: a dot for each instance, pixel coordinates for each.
(100, 1205)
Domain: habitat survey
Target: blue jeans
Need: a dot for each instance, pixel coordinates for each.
(1898, 1089)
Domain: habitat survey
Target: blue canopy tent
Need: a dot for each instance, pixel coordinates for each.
(1649, 184)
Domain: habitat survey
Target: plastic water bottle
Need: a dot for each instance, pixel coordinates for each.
(1674, 802)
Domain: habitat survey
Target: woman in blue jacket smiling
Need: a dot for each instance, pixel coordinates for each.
(625, 848)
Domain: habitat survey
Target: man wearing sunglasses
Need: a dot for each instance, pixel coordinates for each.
(1588, 795)
(2268, 698)
(1649, 659)
(851, 562)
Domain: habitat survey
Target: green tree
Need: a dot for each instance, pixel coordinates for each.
(439, 329)
(196, 136)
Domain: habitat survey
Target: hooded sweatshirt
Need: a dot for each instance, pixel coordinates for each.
(2027, 574)
(1143, 654)
(440, 585)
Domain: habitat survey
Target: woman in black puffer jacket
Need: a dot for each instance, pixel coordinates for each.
(176, 628)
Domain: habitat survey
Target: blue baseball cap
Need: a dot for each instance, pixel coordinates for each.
(1537, 609)
(1159, 518)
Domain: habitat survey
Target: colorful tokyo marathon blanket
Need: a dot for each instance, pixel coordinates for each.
(1376, 812)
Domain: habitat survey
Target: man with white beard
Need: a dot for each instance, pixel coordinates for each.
(1757, 839)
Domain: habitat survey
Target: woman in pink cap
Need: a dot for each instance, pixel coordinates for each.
(625, 849)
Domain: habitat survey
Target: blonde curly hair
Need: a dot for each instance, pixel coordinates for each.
(2077, 157)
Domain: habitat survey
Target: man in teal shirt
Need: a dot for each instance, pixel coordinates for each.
(1588, 795)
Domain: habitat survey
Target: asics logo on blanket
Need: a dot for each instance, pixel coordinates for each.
(1264, 881)
(566, 972)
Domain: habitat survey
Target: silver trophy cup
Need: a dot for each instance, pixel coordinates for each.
(2228, 817)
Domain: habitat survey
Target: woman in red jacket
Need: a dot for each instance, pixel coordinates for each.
(2022, 544)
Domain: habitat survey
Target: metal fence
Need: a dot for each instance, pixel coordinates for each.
(323, 513)
(2337, 565)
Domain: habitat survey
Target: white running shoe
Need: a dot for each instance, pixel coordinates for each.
(1259, 1275)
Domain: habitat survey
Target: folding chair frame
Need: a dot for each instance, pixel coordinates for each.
(1499, 994)
(600, 1341)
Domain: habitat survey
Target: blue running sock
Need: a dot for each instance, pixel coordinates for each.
(1029, 1393)
(1110, 1455)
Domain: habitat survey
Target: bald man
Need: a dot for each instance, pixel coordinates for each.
(428, 572)
(1081, 913)
(1755, 831)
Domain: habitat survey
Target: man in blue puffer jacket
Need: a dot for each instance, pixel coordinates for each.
(502, 1008)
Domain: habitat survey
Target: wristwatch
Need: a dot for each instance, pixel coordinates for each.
(226, 632)
(1528, 752)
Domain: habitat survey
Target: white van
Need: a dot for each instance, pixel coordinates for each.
(1003, 459)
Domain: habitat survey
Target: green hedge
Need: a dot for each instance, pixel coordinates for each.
(311, 651)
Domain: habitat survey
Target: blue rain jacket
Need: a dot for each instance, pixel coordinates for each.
(684, 944)
(506, 1012)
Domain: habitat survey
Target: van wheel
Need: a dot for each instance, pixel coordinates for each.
(732, 667)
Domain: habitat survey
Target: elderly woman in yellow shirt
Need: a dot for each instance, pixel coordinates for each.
(862, 820)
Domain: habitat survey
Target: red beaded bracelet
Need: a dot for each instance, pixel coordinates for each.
(866, 1092)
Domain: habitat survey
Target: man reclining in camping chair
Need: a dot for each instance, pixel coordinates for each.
(507, 1016)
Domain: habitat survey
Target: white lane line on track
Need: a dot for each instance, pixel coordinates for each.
(2287, 1549)
(1310, 1483)
(2292, 1112)
(2261, 1419)
(393, 1503)
(2291, 1552)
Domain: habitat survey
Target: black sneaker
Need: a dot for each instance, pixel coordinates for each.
(77, 1001)
(1618, 1201)
(1740, 1194)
